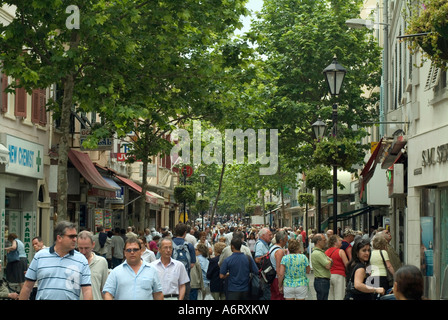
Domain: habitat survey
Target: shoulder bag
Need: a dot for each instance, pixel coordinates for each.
(255, 289)
(390, 276)
(350, 288)
(12, 256)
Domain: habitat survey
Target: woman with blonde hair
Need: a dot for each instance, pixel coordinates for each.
(380, 262)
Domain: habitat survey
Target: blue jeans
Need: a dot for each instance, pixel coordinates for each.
(266, 291)
(322, 287)
(116, 262)
(237, 295)
(194, 294)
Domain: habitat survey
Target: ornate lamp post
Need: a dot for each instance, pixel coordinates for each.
(334, 74)
(319, 130)
(202, 178)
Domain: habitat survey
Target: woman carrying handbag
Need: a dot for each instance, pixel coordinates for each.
(17, 261)
(380, 260)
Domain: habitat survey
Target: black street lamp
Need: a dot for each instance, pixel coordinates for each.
(334, 74)
(202, 178)
(319, 130)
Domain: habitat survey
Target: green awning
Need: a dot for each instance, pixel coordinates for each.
(348, 215)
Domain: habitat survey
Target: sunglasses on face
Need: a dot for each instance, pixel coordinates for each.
(132, 250)
(71, 236)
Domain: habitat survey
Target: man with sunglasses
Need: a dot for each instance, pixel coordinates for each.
(134, 279)
(62, 272)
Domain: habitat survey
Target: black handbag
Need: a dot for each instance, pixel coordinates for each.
(350, 288)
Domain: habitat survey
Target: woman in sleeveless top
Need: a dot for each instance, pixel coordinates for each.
(340, 261)
(358, 271)
(15, 270)
(292, 279)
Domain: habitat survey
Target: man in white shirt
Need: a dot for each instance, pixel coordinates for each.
(97, 264)
(147, 255)
(172, 273)
(191, 238)
(227, 251)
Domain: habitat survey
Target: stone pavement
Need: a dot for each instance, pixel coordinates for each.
(311, 291)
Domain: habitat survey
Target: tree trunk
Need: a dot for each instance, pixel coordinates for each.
(142, 200)
(64, 144)
(219, 192)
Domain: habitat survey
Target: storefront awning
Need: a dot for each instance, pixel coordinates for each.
(85, 166)
(348, 215)
(393, 153)
(4, 154)
(151, 197)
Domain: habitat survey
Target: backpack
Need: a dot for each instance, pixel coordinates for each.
(182, 254)
(266, 270)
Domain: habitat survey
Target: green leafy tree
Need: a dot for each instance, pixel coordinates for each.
(144, 66)
(45, 45)
(299, 39)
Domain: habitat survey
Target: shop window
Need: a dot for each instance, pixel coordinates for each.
(444, 236)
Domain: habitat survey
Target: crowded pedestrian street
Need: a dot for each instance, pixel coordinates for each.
(220, 263)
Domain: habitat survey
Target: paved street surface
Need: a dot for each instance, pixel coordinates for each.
(311, 292)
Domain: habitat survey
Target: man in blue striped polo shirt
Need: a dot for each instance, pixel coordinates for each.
(62, 273)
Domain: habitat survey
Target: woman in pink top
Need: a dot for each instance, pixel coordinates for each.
(340, 261)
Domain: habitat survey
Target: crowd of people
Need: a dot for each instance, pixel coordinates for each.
(219, 262)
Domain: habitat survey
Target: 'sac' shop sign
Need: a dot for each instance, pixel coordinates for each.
(435, 155)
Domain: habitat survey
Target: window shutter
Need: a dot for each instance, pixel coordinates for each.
(20, 107)
(433, 77)
(4, 98)
(35, 106)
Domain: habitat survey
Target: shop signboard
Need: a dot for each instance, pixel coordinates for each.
(25, 158)
(103, 144)
(28, 232)
(2, 240)
(108, 220)
(99, 219)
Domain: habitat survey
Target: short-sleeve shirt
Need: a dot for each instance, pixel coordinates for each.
(238, 265)
(261, 248)
(59, 278)
(118, 245)
(319, 260)
(124, 284)
(295, 270)
(171, 276)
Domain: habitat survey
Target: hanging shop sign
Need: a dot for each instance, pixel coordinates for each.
(103, 144)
